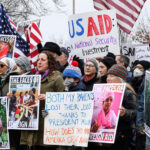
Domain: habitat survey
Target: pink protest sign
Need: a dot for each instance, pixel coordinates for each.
(107, 101)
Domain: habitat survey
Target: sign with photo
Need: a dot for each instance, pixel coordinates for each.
(107, 101)
(4, 135)
(23, 111)
(7, 43)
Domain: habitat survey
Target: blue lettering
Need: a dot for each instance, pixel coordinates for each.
(82, 29)
(73, 34)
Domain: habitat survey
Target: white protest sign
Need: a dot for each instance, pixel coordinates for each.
(129, 51)
(142, 52)
(94, 34)
(69, 118)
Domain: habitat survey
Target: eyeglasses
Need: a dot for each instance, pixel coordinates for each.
(2, 65)
(90, 66)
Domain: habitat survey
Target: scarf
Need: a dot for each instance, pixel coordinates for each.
(43, 75)
(104, 120)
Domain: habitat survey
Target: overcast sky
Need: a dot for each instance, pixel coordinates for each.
(54, 27)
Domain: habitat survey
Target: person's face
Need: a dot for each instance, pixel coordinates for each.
(89, 69)
(103, 69)
(62, 58)
(107, 104)
(113, 79)
(3, 68)
(42, 63)
(26, 31)
(140, 67)
(118, 60)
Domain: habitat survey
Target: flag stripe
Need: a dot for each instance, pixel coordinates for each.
(121, 14)
(127, 11)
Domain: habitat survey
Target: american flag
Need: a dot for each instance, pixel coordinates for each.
(21, 47)
(13, 24)
(35, 37)
(127, 11)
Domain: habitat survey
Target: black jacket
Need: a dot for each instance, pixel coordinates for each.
(89, 84)
(130, 103)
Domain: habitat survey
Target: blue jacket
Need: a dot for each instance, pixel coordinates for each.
(79, 87)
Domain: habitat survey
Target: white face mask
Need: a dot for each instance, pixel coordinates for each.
(137, 73)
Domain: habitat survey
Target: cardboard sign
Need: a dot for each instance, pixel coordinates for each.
(7, 43)
(69, 118)
(4, 135)
(107, 101)
(94, 34)
(23, 104)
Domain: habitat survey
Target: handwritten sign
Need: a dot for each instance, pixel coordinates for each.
(136, 52)
(107, 98)
(69, 118)
(94, 34)
(142, 52)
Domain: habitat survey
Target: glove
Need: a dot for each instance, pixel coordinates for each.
(80, 62)
(44, 113)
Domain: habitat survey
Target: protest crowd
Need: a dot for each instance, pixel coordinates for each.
(57, 74)
(80, 76)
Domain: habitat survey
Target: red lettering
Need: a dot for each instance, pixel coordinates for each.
(101, 25)
(108, 23)
(92, 27)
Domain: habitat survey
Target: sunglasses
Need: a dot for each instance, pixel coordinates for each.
(2, 65)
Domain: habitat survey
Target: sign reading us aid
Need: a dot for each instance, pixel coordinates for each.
(69, 118)
(94, 34)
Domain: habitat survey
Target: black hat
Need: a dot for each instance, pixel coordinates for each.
(110, 55)
(108, 62)
(52, 47)
(145, 64)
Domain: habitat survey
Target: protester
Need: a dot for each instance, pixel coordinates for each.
(124, 61)
(24, 64)
(51, 81)
(53, 49)
(106, 118)
(91, 74)
(63, 59)
(117, 74)
(104, 65)
(72, 78)
(8, 67)
(138, 83)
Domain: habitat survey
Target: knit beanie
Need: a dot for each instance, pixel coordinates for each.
(108, 62)
(118, 70)
(64, 50)
(145, 64)
(23, 63)
(94, 61)
(72, 71)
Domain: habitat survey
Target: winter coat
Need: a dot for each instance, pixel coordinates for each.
(89, 84)
(130, 103)
(51, 83)
(79, 87)
(4, 85)
(139, 88)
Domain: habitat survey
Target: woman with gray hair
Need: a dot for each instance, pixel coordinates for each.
(24, 64)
